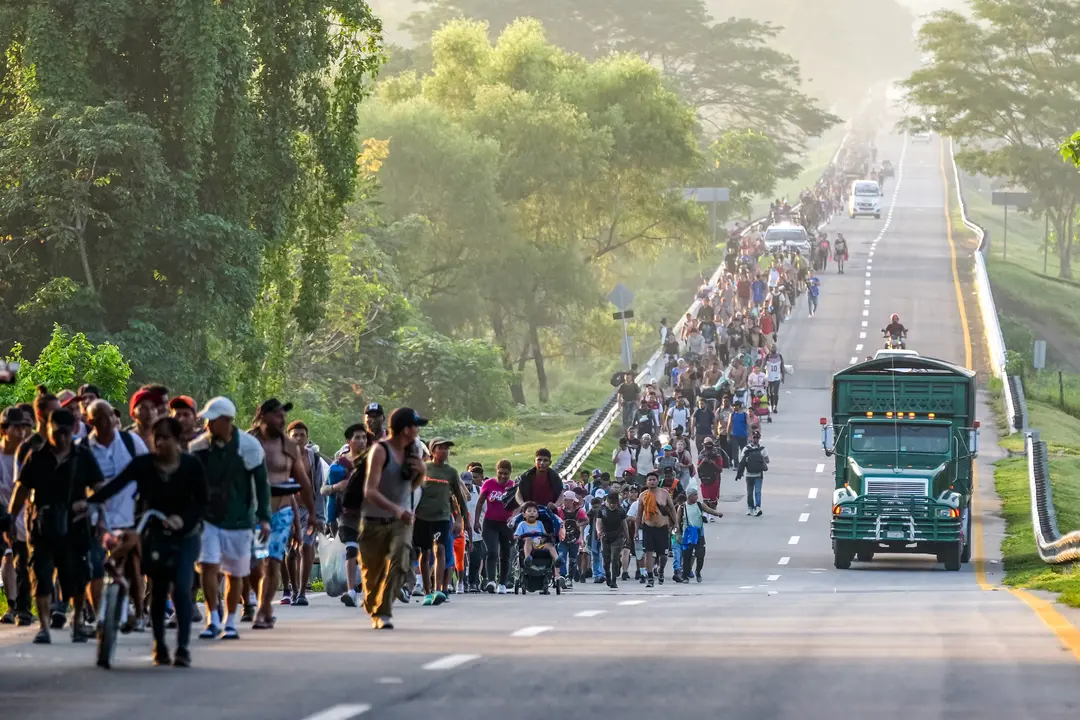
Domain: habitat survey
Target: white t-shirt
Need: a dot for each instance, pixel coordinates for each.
(645, 464)
(772, 368)
(623, 460)
(7, 486)
(757, 380)
(680, 417)
(470, 503)
(632, 514)
(112, 459)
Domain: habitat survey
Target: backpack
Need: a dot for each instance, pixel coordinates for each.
(754, 460)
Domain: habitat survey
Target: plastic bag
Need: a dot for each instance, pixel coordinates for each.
(332, 565)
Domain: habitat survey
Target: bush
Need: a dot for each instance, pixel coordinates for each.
(67, 362)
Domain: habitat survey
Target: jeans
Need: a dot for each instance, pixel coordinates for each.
(476, 561)
(693, 556)
(180, 579)
(498, 538)
(811, 301)
(753, 491)
(774, 394)
(568, 556)
(597, 557)
(676, 556)
(736, 443)
(612, 550)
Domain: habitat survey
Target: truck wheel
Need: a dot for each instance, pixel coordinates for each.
(950, 555)
(965, 556)
(865, 555)
(841, 556)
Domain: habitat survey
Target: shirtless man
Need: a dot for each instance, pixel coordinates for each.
(283, 462)
(654, 516)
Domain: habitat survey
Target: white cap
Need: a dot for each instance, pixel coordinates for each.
(217, 408)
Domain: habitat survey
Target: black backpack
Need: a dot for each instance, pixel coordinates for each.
(754, 460)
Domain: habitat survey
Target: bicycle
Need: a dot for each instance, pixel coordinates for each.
(114, 597)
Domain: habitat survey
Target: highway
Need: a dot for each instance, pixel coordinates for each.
(773, 632)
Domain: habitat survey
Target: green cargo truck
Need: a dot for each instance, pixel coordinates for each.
(904, 437)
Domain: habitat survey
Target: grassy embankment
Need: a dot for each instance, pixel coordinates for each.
(1032, 305)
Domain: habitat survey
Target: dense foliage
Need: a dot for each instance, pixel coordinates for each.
(1006, 84)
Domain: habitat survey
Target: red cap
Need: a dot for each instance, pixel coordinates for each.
(184, 401)
(140, 395)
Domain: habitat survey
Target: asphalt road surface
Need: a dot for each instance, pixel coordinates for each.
(773, 632)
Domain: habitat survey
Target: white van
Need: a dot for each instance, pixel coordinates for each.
(865, 199)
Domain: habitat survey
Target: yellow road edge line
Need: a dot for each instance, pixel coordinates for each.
(1065, 631)
(976, 518)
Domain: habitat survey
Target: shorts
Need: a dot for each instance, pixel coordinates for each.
(656, 539)
(425, 532)
(231, 549)
(710, 491)
(70, 566)
(281, 528)
(308, 538)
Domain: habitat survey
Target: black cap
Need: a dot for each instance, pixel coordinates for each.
(90, 388)
(62, 417)
(404, 418)
(374, 409)
(14, 415)
(352, 429)
(273, 405)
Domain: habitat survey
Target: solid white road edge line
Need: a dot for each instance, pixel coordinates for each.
(340, 712)
(449, 662)
(531, 631)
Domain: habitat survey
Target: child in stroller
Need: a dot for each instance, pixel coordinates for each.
(537, 531)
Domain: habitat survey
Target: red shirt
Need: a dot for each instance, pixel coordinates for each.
(542, 492)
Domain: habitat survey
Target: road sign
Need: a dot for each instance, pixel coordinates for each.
(1011, 198)
(625, 315)
(1039, 361)
(621, 297)
(707, 195)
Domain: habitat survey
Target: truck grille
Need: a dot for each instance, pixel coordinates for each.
(896, 487)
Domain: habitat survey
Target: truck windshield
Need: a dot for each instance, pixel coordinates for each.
(929, 439)
(795, 236)
(870, 189)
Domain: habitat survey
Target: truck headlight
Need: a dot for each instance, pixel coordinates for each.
(844, 510)
(948, 513)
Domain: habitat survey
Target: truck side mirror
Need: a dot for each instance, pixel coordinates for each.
(827, 438)
(973, 442)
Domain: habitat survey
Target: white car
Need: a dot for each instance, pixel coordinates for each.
(865, 199)
(787, 236)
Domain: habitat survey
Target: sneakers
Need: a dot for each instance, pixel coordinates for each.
(249, 612)
(57, 619)
(43, 638)
(300, 601)
(405, 596)
(171, 622)
(140, 624)
(490, 587)
(625, 576)
(196, 616)
(677, 577)
(429, 599)
(212, 632)
(501, 590)
(749, 512)
(182, 658)
(698, 577)
(757, 512)
(24, 620)
(439, 597)
(348, 600)
(161, 656)
(649, 583)
(613, 584)
(380, 622)
(286, 599)
(660, 577)
(641, 579)
(8, 619)
(560, 583)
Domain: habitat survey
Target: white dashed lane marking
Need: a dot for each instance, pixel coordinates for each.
(452, 661)
(865, 323)
(804, 517)
(784, 560)
(340, 712)
(865, 313)
(813, 493)
(854, 360)
(820, 467)
(531, 631)
(631, 602)
(862, 335)
(590, 613)
(858, 348)
(794, 540)
(772, 578)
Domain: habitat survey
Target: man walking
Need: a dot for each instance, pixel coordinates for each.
(754, 464)
(394, 471)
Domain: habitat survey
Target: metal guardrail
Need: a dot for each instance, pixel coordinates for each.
(1054, 548)
(995, 341)
(601, 421)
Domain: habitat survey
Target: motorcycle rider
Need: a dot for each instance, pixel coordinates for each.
(895, 330)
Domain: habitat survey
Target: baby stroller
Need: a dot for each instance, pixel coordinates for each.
(759, 406)
(537, 573)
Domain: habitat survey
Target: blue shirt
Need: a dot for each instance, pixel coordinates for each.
(758, 288)
(814, 287)
(738, 424)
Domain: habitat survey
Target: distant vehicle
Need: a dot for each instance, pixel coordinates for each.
(887, 169)
(787, 236)
(895, 353)
(865, 199)
(920, 137)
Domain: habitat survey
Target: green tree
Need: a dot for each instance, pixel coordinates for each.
(1006, 84)
(69, 360)
(196, 140)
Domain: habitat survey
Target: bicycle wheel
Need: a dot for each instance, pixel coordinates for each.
(114, 598)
